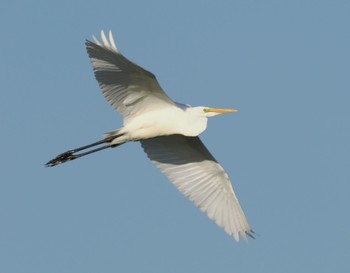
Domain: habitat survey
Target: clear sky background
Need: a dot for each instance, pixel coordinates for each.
(284, 64)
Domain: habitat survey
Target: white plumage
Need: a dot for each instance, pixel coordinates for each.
(168, 132)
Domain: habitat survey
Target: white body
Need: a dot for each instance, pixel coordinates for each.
(163, 122)
(168, 133)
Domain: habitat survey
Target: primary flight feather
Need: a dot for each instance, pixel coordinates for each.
(168, 132)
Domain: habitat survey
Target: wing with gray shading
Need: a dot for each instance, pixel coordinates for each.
(195, 173)
(128, 88)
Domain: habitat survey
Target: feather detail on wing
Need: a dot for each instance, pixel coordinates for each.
(128, 88)
(195, 173)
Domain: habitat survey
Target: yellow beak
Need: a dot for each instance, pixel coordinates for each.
(220, 111)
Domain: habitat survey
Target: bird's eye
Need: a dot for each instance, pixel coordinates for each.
(206, 110)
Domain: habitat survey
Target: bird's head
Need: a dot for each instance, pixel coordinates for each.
(197, 118)
(210, 112)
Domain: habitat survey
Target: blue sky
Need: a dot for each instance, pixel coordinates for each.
(284, 64)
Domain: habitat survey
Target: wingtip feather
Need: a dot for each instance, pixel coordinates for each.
(96, 40)
(106, 42)
(111, 39)
(104, 39)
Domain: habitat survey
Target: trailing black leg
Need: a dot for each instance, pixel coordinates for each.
(71, 154)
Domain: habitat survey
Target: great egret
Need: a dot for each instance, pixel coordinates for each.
(168, 132)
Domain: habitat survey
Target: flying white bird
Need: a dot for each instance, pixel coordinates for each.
(168, 132)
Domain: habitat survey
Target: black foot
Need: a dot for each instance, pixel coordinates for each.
(61, 158)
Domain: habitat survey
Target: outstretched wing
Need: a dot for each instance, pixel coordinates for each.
(195, 173)
(128, 88)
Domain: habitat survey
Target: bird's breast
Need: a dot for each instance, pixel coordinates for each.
(164, 122)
